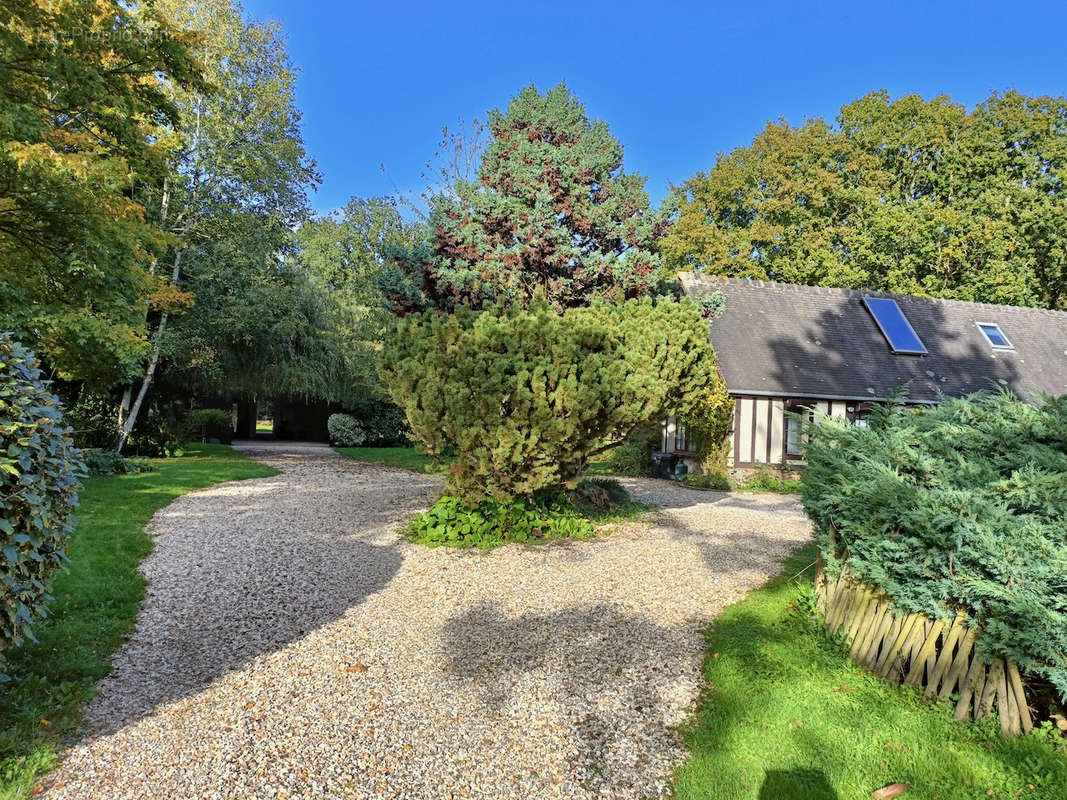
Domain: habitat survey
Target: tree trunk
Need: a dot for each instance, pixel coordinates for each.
(150, 370)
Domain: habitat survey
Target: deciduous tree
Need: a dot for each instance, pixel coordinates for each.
(344, 254)
(905, 195)
(237, 153)
(83, 84)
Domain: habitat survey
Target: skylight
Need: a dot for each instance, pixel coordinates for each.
(995, 336)
(894, 326)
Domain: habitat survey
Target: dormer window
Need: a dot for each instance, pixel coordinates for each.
(995, 336)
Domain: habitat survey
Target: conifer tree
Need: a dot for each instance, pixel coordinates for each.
(551, 211)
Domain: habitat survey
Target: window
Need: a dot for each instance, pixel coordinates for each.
(894, 326)
(682, 442)
(792, 436)
(857, 414)
(797, 412)
(994, 335)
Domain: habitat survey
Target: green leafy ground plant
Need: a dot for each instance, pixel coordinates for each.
(549, 514)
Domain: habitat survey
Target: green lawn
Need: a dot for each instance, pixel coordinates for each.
(787, 715)
(96, 602)
(406, 457)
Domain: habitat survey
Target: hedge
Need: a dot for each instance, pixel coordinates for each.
(40, 473)
(960, 507)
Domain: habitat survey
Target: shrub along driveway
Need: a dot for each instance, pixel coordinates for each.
(291, 645)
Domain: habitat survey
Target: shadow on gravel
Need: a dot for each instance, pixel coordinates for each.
(245, 570)
(599, 664)
(670, 495)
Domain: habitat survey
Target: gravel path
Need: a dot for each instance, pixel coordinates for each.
(292, 646)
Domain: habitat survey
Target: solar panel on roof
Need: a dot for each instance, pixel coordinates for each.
(894, 325)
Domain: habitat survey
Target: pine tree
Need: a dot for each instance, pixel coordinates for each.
(551, 211)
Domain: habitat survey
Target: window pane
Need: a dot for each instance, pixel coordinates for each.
(792, 436)
(995, 336)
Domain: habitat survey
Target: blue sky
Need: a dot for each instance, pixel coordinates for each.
(677, 82)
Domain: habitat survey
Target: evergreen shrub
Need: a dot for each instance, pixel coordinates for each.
(40, 474)
(203, 424)
(345, 430)
(634, 456)
(525, 399)
(958, 507)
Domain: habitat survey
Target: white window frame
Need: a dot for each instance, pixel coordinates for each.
(800, 437)
(1009, 347)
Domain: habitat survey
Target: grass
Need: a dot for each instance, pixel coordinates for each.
(97, 598)
(404, 457)
(770, 481)
(599, 469)
(787, 715)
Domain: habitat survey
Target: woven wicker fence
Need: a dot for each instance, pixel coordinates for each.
(920, 651)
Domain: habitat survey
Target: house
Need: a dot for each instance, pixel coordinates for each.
(785, 348)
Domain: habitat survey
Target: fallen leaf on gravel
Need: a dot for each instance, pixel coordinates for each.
(249, 705)
(890, 791)
(359, 666)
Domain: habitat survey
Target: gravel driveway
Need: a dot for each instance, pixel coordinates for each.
(291, 646)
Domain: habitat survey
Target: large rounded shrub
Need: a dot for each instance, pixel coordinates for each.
(40, 473)
(204, 424)
(962, 507)
(345, 430)
(525, 398)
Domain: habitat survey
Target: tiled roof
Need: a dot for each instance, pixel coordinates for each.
(805, 341)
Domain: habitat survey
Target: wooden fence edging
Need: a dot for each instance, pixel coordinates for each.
(939, 656)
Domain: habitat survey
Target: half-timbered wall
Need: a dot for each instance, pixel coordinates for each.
(760, 429)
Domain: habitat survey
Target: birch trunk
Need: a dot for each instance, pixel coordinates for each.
(157, 345)
(150, 370)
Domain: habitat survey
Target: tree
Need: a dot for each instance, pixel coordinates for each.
(260, 326)
(551, 211)
(525, 398)
(906, 195)
(82, 83)
(344, 255)
(237, 154)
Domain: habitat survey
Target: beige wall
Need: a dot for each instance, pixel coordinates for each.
(759, 435)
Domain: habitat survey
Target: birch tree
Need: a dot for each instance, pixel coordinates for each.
(237, 150)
